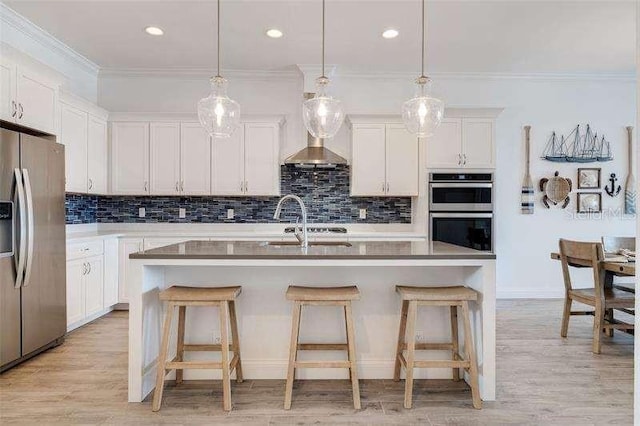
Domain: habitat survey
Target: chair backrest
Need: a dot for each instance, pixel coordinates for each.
(580, 254)
(613, 244)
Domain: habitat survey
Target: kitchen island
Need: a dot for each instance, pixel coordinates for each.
(264, 270)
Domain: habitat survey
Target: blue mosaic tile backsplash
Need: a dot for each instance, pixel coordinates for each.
(325, 193)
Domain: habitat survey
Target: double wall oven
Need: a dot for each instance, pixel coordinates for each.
(461, 209)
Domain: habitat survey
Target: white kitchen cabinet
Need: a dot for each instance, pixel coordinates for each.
(368, 152)
(111, 268)
(94, 286)
(164, 158)
(130, 158)
(28, 98)
(195, 160)
(97, 155)
(8, 87)
(74, 134)
(75, 290)
(247, 163)
(384, 160)
(261, 159)
(462, 143)
(126, 247)
(227, 164)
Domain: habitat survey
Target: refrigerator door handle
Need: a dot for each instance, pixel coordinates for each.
(30, 226)
(22, 244)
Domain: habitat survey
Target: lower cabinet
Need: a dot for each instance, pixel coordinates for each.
(92, 287)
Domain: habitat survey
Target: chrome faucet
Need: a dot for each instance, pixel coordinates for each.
(304, 241)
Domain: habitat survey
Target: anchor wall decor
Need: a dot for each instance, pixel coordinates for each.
(613, 191)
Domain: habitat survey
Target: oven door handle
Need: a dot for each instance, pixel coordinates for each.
(461, 185)
(463, 215)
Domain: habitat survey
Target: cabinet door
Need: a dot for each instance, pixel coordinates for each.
(37, 101)
(477, 143)
(261, 159)
(75, 290)
(444, 148)
(110, 272)
(8, 101)
(368, 160)
(195, 160)
(165, 158)
(227, 164)
(97, 156)
(94, 286)
(402, 161)
(73, 134)
(130, 158)
(126, 247)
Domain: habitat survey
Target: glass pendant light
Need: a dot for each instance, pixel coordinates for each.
(322, 114)
(217, 113)
(423, 113)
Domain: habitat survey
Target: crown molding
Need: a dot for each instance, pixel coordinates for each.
(10, 19)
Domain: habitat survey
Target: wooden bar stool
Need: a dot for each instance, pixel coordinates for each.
(454, 298)
(323, 296)
(181, 297)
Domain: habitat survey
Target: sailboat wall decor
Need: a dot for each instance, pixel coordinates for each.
(577, 147)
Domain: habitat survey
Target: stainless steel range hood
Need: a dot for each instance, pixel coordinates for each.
(315, 155)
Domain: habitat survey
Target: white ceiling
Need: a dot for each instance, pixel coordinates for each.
(463, 36)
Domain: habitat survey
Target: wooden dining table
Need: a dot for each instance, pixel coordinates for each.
(620, 269)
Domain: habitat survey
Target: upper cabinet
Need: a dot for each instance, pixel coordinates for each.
(27, 98)
(83, 131)
(384, 160)
(247, 163)
(172, 158)
(462, 143)
(130, 158)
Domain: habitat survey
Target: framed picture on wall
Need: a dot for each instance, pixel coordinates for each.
(589, 202)
(588, 178)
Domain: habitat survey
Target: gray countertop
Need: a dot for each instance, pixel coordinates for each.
(356, 250)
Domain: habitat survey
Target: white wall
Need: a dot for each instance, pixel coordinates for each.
(523, 243)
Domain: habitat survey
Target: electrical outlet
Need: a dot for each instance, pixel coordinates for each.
(216, 340)
(419, 337)
(230, 214)
(142, 212)
(363, 213)
(182, 213)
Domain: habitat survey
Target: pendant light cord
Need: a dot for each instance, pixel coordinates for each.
(423, 37)
(218, 75)
(323, 26)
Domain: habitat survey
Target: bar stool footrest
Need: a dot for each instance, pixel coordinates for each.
(322, 364)
(183, 365)
(205, 348)
(323, 346)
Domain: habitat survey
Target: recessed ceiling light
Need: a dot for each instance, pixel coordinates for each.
(390, 33)
(154, 31)
(274, 33)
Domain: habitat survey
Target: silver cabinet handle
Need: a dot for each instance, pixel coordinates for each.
(30, 226)
(89, 266)
(246, 186)
(387, 187)
(90, 184)
(241, 186)
(14, 108)
(383, 186)
(84, 268)
(181, 186)
(177, 187)
(21, 110)
(146, 184)
(464, 159)
(22, 211)
(459, 159)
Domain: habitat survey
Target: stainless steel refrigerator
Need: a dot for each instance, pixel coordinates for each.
(32, 244)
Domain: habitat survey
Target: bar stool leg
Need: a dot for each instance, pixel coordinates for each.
(411, 352)
(162, 358)
(224, 349)
(401, 340)
(470, 354)
(351, 345)
(235, 344)
(182, 310)
(293, 353)
(454, 341)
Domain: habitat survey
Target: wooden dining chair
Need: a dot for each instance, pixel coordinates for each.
(601, 296)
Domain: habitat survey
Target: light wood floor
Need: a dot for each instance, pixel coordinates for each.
(542, 379)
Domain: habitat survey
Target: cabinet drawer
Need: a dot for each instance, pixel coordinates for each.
(84, 249)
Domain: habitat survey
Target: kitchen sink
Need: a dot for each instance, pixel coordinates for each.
(311, 243)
